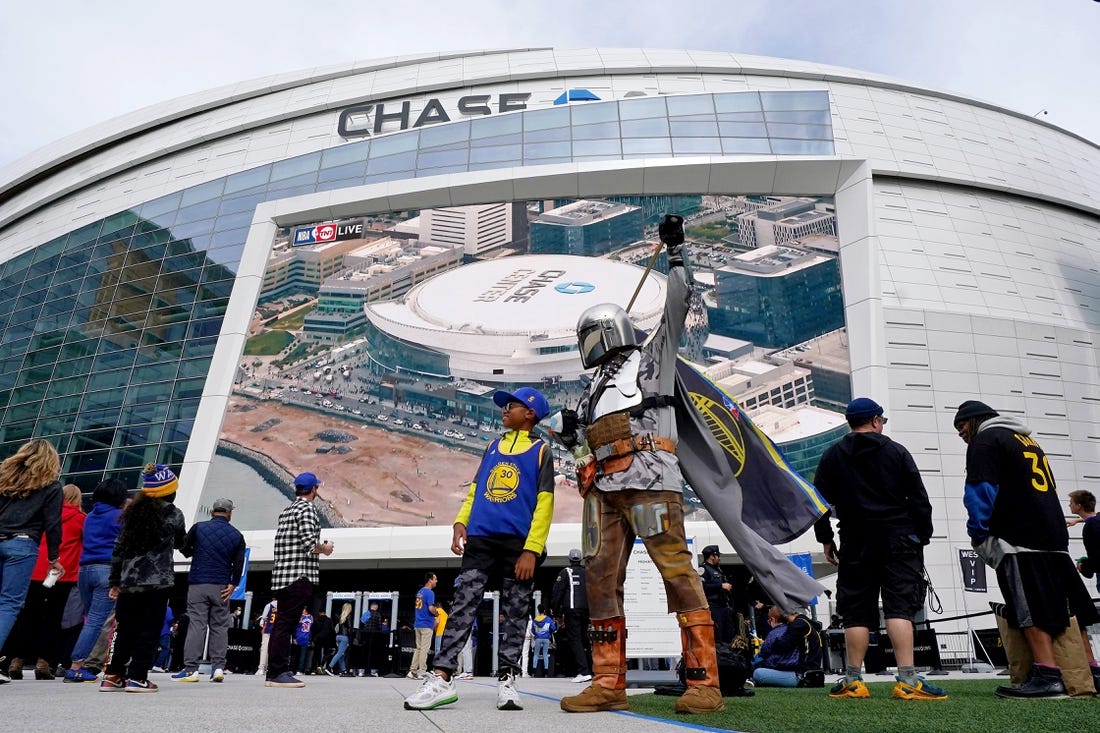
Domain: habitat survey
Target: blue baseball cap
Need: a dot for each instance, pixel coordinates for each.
(532, 398)
(305, 483)
(862, 407)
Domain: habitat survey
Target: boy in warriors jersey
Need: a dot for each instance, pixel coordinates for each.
(1016, 525)
(500, 530)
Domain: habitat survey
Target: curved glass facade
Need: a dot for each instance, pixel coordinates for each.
(107, 332)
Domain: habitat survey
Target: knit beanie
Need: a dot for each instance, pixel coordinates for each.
(158, 480)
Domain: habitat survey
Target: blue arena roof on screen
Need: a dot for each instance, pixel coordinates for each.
(576, 95)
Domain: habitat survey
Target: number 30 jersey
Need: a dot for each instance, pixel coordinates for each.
(1010, 491)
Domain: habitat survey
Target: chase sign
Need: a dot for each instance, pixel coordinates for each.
(373, 118)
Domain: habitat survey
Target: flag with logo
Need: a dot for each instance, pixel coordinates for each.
(754, 497)
(778, 503)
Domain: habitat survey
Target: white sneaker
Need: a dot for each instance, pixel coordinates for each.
(583, 678)
(465, 676)
(184, 676)
(507, 697)
(160, 670)
(218, 675)
(414, 675)
(434, 692)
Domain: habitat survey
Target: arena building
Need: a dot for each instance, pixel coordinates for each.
(509, 320)
(132, 254)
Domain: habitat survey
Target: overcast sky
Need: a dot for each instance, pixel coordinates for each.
(66, 65)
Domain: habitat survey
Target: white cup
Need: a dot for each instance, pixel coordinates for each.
(51, 578)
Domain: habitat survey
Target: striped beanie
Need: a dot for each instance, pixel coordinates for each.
(158, 480)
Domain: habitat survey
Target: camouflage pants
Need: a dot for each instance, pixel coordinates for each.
(612, 520)
(515, 599)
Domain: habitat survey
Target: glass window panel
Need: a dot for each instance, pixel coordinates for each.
(423, 171)
(553, 134)
(801, 132)
(495, 140)
(179, 430)
(82, 236)
(14, 435)
(194, 367)
(812, 117)
(600, 131)
(737, 102)
(486, 127)
(183, 409)
(442, 158)
(641, 107)
(241, 203)
(680, 128)
(392, 163)
(50, 249)
(247, 179)
(38, 357)
(497, 154)
(801, 147)
(153, 373)
(190, 387)
(297, 166)
(742, 129)
(534, 151)
(202, 192)
(445, 134)
(545, 119)
(51, 426)
(154, 393)
(696, 146)
(191, 232)
(344, 154)
(195, 212)
(690, 104)
(233, 221)
(353, 171)
(735, 145)
(741, 117)
(112, 360)
(227, 248)
(794, 100)
(596, 147)
(495, 165)
(401, 142)
(657, 127)
(298, 184)
(592, 112)
(161, 210)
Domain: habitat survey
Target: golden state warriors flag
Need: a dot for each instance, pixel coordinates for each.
(778, 504)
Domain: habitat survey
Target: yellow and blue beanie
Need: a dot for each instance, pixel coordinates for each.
(158, 480)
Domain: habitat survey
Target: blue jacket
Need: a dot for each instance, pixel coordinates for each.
(216, 549)
(101, 528)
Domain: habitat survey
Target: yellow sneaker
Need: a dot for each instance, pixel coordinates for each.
(850, 688)
(920, 691)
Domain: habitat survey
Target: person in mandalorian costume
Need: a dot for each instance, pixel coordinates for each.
(627, 435)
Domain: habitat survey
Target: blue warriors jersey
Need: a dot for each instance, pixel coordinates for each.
(505, 492)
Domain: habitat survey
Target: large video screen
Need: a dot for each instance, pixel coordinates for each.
(377, 342)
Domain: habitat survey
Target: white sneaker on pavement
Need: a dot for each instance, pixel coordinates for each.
(465, 676)
(434, 692)
(507, 697)
(218, 675)
(583, 678)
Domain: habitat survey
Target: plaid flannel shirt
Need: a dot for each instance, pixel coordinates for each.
(298, 533)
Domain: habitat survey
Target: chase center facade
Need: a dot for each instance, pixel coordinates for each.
(131, 254)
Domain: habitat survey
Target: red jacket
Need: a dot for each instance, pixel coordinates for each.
(72, 542)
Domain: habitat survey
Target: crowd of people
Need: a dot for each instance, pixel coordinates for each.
(114, 565)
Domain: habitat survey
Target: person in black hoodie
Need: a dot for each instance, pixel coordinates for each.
(877, 496)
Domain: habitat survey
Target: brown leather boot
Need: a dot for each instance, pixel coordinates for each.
(700, 664)
(15, 669)
(608, 688)
(42, 670)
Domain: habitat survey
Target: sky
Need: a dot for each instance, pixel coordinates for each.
(67, 65)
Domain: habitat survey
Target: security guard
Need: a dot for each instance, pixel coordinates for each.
(719, 592)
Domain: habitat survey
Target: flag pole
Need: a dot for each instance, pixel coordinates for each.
(648, 269)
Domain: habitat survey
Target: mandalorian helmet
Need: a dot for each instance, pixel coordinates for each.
(603, 330)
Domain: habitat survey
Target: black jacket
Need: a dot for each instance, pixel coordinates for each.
(874, 488)
(569, 592)
(717, 596)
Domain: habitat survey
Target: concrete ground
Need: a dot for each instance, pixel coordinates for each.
(242, 703)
